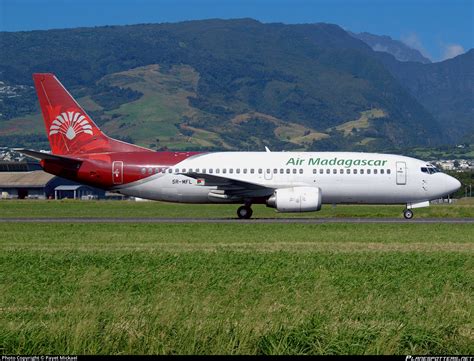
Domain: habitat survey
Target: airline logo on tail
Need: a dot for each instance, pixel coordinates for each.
(70, 130)
(70, 124)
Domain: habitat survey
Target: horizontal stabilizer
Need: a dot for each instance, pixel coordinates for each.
(47, 156)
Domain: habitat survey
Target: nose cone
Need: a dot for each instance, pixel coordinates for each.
(452, 184)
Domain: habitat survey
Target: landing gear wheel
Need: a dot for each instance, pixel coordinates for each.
(244, 212)
(408, 214)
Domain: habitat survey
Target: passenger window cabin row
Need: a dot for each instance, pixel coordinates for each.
(352, 171)
(151, 170)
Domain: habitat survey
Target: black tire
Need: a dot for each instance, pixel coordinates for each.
(408, 214)
(244, 212)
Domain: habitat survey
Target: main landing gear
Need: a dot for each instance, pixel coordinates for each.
(244, 212)
(408, 214)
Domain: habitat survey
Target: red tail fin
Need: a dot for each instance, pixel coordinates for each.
(70, 130)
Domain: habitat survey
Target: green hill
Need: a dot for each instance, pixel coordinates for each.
(445, 88)
(217, 84)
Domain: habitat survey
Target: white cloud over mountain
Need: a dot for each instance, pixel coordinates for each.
(452, 50)
(414, 41)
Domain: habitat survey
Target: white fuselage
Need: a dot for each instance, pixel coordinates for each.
(343, 177)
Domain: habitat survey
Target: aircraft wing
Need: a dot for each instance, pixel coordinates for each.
(228, 187)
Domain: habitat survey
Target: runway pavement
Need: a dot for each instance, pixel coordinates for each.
(240, 221)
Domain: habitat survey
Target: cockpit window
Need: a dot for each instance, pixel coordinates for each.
(430, 169)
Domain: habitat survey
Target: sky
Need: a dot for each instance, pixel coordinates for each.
(440, 29)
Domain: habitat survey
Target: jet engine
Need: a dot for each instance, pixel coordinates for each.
(296, 199)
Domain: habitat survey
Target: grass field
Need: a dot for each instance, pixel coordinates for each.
(362, 123)
(232, 288)
(70, 208)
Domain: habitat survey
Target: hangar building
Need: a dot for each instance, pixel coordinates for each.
(41, 185)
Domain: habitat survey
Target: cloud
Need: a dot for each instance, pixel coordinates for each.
(452, 50)
(414, 41)
(380, 47)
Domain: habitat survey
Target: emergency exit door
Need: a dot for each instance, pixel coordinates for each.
(117, 172)
(401, 173)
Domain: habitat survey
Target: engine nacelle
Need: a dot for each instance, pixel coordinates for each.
(296, 199)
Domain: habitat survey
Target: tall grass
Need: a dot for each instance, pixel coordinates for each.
(236, 289)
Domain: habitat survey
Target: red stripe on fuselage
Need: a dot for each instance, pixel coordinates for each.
(96, 169)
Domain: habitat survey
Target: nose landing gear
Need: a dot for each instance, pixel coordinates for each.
(408, 214)
(244, 212)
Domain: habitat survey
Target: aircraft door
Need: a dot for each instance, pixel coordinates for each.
(117, 172)
(401, 173)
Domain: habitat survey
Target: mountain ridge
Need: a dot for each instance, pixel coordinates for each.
(398, 49)
(315, 77)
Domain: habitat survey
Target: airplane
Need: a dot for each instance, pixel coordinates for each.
(286, 181)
